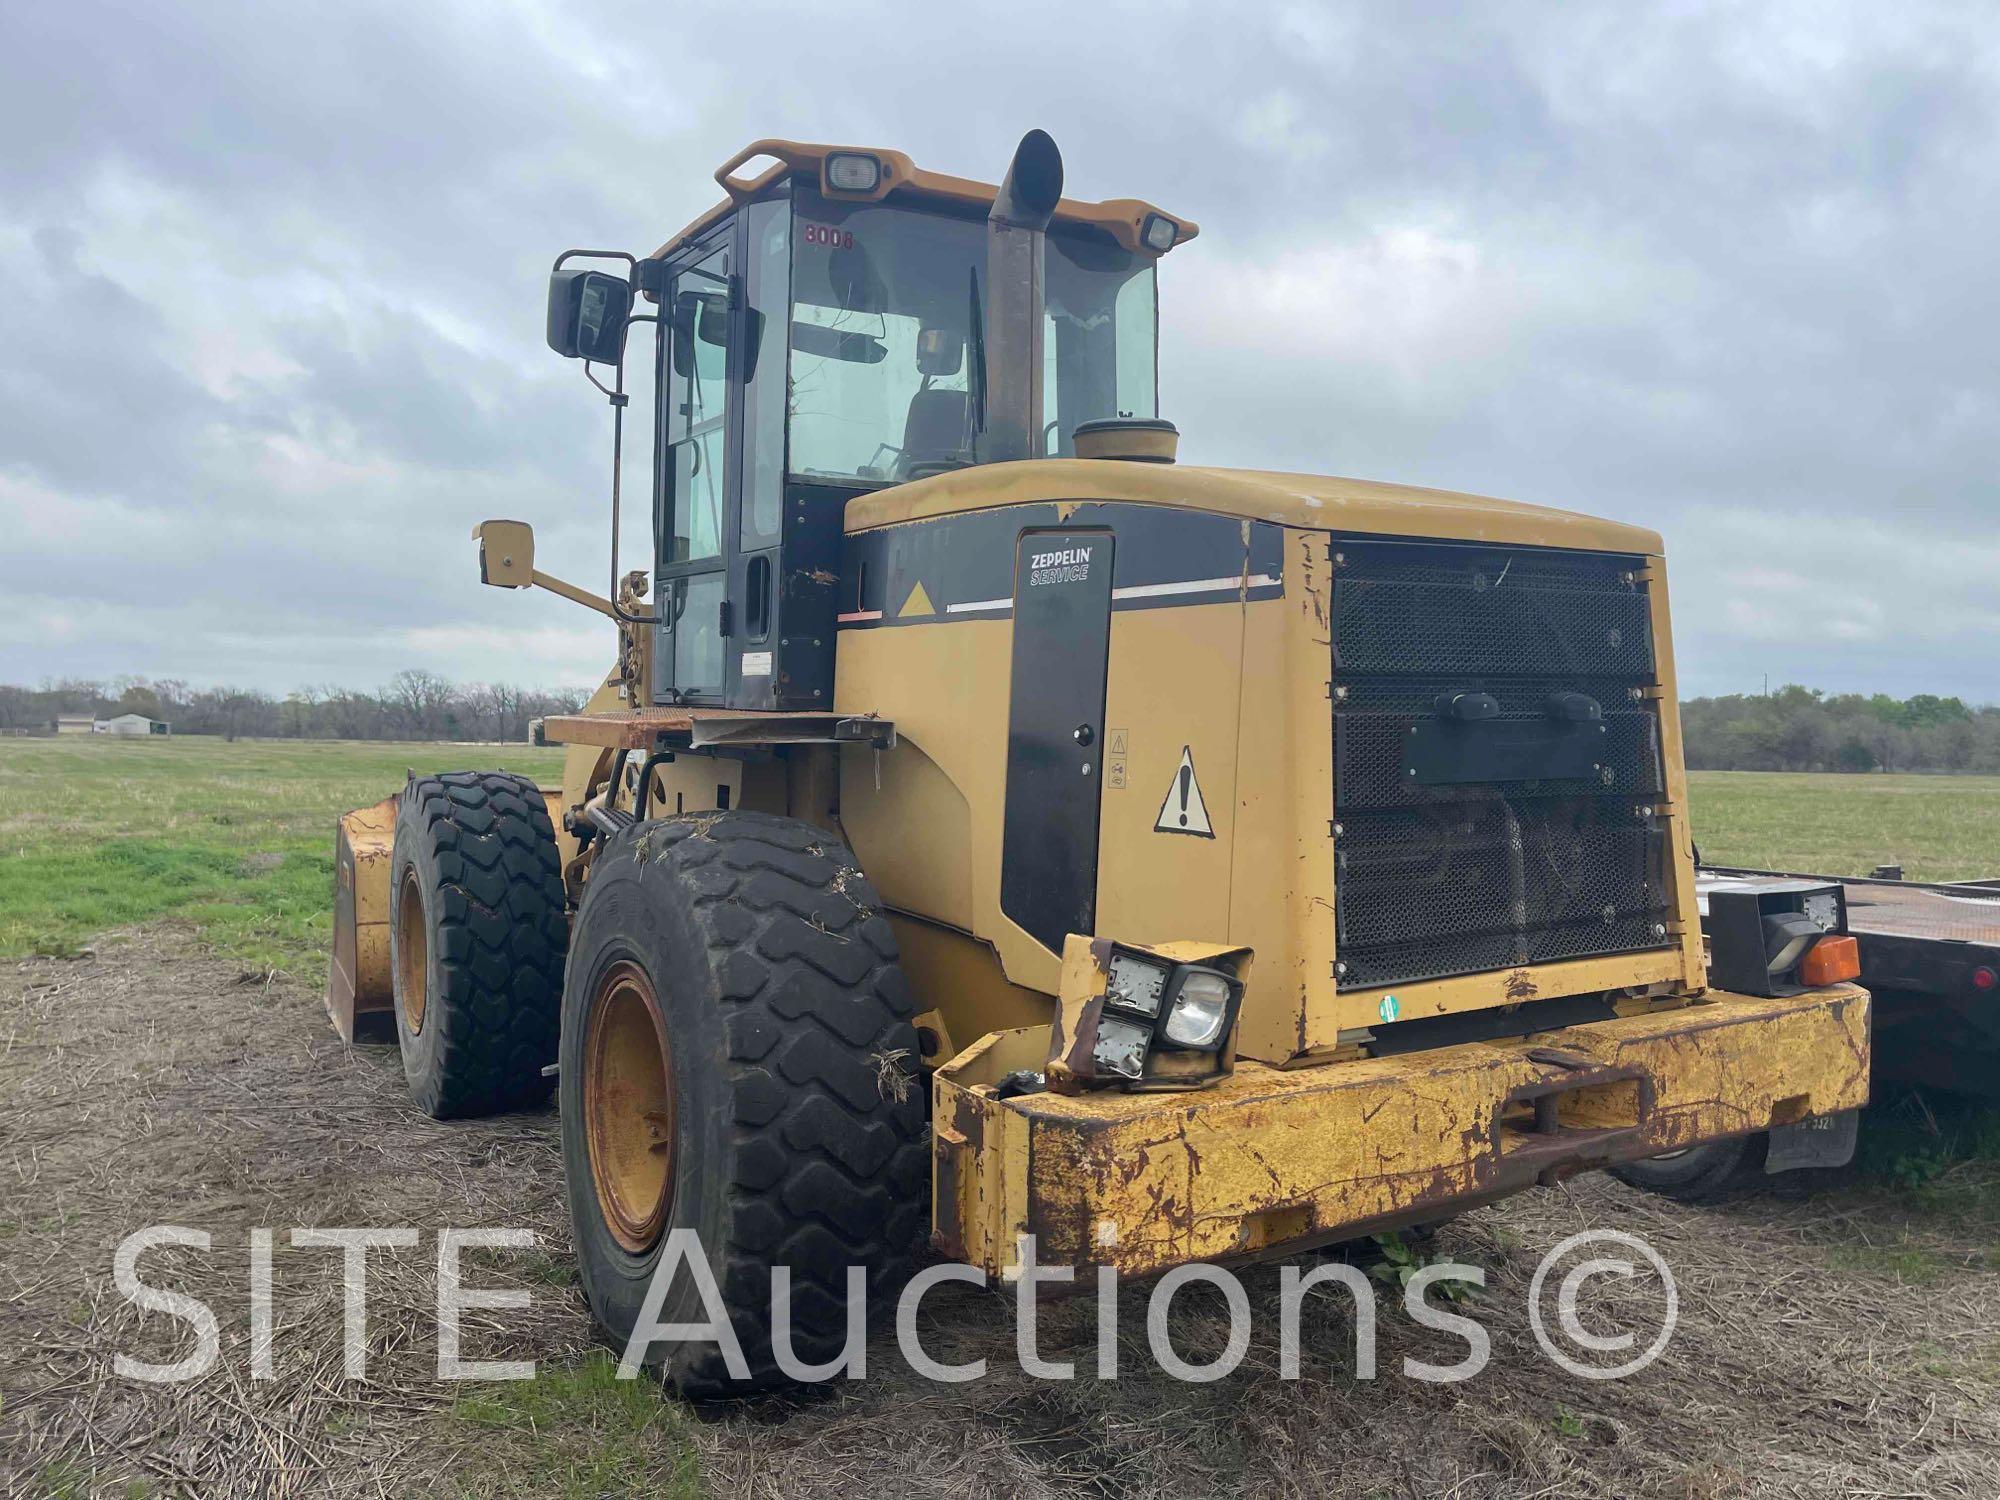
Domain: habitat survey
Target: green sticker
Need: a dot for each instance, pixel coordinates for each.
(1389, 1009)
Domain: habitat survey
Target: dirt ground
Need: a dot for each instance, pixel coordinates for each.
(1845, 1342)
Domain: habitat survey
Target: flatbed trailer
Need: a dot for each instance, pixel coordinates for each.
(1930, 955)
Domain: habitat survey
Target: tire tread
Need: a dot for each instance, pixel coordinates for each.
(499, 937)
(830, 1168)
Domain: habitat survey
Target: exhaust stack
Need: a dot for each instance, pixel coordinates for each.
(1014, 303)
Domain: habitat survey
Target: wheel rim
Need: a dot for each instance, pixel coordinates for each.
(412, 952)
(628, 1106)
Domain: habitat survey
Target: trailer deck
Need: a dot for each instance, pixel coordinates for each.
(1930, 954)
(1956, 911)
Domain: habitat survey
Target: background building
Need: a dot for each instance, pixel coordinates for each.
(131, 724)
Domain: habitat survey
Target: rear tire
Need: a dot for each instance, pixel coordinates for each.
(477, 934)
(1700, 1174)
(779, 1117)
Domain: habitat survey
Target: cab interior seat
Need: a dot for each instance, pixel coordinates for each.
(937, 434)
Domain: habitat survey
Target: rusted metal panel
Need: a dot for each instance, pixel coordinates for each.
(1265, 1157)
(978, 1157)
(1073, 1031)
(357, 983)
(1360, 1008)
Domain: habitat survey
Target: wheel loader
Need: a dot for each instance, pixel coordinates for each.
(994, 828)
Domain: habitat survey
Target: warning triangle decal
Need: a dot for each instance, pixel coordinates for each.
(919, 603)
(1184, 811)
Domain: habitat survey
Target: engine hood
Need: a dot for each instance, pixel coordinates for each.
(1321, 502)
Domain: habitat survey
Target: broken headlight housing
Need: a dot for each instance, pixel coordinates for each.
(1146, 1017)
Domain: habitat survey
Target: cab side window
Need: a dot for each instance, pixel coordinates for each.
(697, 392)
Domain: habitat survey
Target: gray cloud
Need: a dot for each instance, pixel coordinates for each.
(272, 333)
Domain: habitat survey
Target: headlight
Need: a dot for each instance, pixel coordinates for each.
(1201, 1009)
(1787, 935)
(1763, 935)
(1135, 984)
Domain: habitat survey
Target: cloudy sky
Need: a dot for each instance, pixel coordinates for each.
(270, 334)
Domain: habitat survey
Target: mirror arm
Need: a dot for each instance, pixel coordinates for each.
(619, 401)
(571, 592)
(567, 256)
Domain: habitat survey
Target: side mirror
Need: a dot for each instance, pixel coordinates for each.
(506, 553)
(698, 317)
(940, 352)
(587, 315)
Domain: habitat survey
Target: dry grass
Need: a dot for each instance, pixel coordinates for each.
(1785, 1378)
(1843, 1344)
(151, 1083)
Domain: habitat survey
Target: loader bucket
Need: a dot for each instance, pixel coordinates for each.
(358, 995)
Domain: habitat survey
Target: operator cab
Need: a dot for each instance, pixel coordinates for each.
(819, 343)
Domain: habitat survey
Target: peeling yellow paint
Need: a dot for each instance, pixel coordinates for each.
(1269, 1157)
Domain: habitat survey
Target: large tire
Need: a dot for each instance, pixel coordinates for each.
(477, 935)
(1700, 1174)
(787, 1118)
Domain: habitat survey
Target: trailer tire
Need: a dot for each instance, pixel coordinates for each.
(1699, 1174)
(778, 1119)
(477, 936)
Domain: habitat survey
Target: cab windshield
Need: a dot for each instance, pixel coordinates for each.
(887, 330)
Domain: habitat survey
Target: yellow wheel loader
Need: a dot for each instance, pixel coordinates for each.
(994, 828)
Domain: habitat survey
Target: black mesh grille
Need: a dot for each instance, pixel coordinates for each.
(1515, 626)
(1458, 877)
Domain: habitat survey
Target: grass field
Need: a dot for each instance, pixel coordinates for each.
(1936, 827)
(98, 833)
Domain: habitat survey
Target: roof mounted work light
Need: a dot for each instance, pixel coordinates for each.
(851, 172)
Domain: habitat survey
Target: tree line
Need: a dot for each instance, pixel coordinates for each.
(1803, 729)
(415, 705)
(1792, 729)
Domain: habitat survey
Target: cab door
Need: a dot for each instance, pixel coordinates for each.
(698, 462)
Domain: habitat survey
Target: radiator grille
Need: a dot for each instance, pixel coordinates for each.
(1436, 879)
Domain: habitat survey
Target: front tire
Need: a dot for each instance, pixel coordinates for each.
(477, 934)
(738, 1061)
